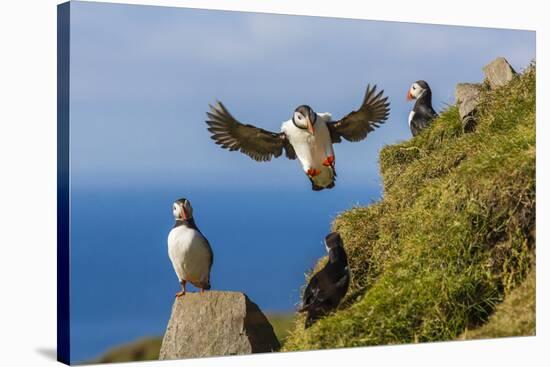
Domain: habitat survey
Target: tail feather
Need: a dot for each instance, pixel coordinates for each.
(316, 187)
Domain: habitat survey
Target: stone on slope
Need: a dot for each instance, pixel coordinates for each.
(216, 324)
(467, 99)
(498, 72)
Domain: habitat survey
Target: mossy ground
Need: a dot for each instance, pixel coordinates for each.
(451, 238)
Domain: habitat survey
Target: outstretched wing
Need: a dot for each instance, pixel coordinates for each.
(356, 125)
(259, 144)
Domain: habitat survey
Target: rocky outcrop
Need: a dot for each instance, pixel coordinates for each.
(498, 72)
(216, 324)
(467, 98)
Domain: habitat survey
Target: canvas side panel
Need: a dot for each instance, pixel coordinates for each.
(63, 186)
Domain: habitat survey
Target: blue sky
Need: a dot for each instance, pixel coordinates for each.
(142, 78)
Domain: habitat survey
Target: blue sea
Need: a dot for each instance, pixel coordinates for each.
(123, 285)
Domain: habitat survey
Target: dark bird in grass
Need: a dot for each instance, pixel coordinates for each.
(308, 135)
(422, 113)
(327, 288)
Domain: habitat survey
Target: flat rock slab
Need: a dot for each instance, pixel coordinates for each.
(499, 72)
(216, 324)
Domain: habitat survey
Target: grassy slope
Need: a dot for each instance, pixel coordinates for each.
(515, 316)
(451, 238)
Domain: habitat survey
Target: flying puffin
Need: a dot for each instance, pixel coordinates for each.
(422, 113)
(189, 251)
(327, 288)
(307, 135)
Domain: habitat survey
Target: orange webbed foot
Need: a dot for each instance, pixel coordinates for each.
(312, 172)
(182, 292)
(329, 161)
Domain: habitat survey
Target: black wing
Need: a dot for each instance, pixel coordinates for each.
(311, 294)
(259, 144)
(356, 125)
(323, 292)
(422, 118)
(191, 223)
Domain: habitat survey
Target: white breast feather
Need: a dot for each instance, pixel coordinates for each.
(312, 150)
(189, 253)
(411, 116)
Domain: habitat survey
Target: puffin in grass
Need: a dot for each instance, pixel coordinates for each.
(308, 135)
(422, 113)
(188, 249)
(326, 289)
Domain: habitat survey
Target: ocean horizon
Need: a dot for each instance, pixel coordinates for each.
(122, 281)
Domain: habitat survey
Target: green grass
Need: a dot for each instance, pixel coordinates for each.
(452, 237)
(515, 316)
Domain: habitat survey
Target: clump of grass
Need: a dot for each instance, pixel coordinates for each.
(452, 236)
(515, 316)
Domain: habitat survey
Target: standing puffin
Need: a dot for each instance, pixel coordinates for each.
(422, 113)
(307, 135)
(327, 288)
(189, 251)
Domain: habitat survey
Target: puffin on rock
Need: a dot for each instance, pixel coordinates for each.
(422, 113)
(326, 289)
(188, 249)
(307, 136)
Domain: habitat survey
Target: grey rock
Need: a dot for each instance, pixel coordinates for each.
(498, 72)
(216, 324)
(467, 99)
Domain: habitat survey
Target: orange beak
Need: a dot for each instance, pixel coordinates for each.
(310, 126)
(183, 214)
(409, 96)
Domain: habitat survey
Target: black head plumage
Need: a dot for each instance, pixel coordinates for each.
(423, 84)
(306, 111)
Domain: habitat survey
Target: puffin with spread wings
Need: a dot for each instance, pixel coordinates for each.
(308, 136)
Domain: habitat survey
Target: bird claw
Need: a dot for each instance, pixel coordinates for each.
(329, 161)
(312, 172)
(180, 294)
